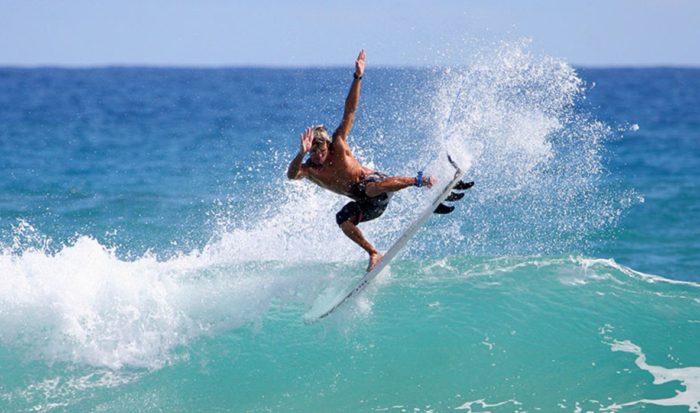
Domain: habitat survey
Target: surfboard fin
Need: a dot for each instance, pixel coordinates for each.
(444, 209)
(455, 196)
(462, 186)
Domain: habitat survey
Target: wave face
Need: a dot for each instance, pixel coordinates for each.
(154, 258)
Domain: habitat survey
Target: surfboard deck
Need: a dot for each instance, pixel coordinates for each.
(315, 314)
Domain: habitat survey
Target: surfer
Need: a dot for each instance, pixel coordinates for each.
(332, 165)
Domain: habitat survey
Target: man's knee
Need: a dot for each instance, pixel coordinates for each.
(374, 189)
(347, 225)
(344, 222)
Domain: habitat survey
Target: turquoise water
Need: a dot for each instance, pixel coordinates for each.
(153, 257)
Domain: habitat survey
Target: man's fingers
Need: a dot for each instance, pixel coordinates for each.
(361, 56)
(306, 138)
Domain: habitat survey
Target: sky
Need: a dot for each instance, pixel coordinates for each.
(329, 33)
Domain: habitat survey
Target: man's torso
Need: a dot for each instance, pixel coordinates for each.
(339, 172)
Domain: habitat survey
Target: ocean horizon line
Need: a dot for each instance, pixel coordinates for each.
(309, 67)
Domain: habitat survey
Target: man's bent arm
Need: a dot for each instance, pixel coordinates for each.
(295, 170)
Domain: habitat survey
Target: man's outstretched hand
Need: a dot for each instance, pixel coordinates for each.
(360, 63)
(306, 140)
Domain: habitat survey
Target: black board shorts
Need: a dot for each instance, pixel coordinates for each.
(364, 208)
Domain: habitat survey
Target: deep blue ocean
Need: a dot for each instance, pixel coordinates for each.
(154, 257)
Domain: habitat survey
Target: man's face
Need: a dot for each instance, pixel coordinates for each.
(319, 152)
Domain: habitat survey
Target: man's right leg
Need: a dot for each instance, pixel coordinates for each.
(347, 219)
(354, 233)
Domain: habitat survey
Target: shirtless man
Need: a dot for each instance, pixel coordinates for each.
(332, 165)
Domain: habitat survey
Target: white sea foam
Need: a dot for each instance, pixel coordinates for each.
(467, 406)
(84, 304)
(688, 377)
(593, 263)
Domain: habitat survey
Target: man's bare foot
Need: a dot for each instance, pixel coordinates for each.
(374, 260)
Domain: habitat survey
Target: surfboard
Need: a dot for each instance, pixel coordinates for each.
(324, 309)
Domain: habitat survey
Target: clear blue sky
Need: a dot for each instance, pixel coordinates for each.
(328, 33)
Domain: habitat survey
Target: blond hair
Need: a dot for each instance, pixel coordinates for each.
(320, 135)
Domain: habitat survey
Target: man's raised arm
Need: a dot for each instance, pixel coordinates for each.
(352, 100)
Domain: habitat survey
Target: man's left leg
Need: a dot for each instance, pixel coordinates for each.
(395, 183)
